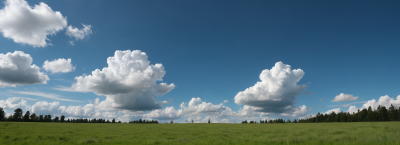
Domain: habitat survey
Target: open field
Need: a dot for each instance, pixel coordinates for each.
(274, 133)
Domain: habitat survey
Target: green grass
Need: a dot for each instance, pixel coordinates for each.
(285, 133)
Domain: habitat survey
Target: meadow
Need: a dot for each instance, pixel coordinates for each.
(197, 133)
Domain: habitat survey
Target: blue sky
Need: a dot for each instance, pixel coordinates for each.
(210, 50)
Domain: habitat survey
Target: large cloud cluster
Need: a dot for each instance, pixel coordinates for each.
(13, 103)
(276, 92)
(44, 107)
(383, 101)
(195, 109)
(17, 69)
(129, 82)
(30, 25)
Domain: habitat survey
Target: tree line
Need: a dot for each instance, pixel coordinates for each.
(364, 115)
(143, 121)
(18, 116)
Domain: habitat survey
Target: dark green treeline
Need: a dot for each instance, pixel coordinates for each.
(18, 116)
(143, 121)
(364, 115)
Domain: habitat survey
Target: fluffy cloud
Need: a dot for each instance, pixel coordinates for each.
(16, 69)
(226, 101)
(336, 110)
(78, 111)
(43, 107)
(344, 97)
(30, 25)
(276, 92)
(129, 82)
(79, 34)
(200, 111)
(195, 109)
(169, 113)
(196, 106)
(298, 112)
(13, 103)
(60, 65)
(383, 101)
(352, 109)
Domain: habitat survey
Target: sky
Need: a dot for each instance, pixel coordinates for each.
(224, 61)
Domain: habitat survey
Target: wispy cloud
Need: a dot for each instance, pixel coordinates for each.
(46, 95)
(344, 105)
(26, 98)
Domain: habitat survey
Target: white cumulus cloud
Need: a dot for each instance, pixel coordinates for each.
(43, 107)
(30, 25)
(226, 101)
(169, 113)
(78, 111)
(276, 92)
(60, 65)
(336, 110)
(16, 69)
(344, 97)
(129, 82)
(79, 34)
(195, 109)
(13, 103)
(383, 101)
(197, 106)
(298, 112)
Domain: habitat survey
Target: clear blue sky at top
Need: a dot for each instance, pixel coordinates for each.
(214, 49)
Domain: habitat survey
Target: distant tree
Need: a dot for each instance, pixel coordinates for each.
(10, 118)
(192, 121)
(56, 119)
(119, 121)
(49, 118)
(26, 116)
(172, 121)
(46, 118)
(33, 117)
(398, 114)
(2, 114)
(370, 114)
(113, 121)
(140, 120)
(209, 121)
(17, 114)
(383, 113)
(41, 118)
(392, 113)
(62, 119)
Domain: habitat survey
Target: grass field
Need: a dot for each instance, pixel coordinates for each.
(121, 133)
